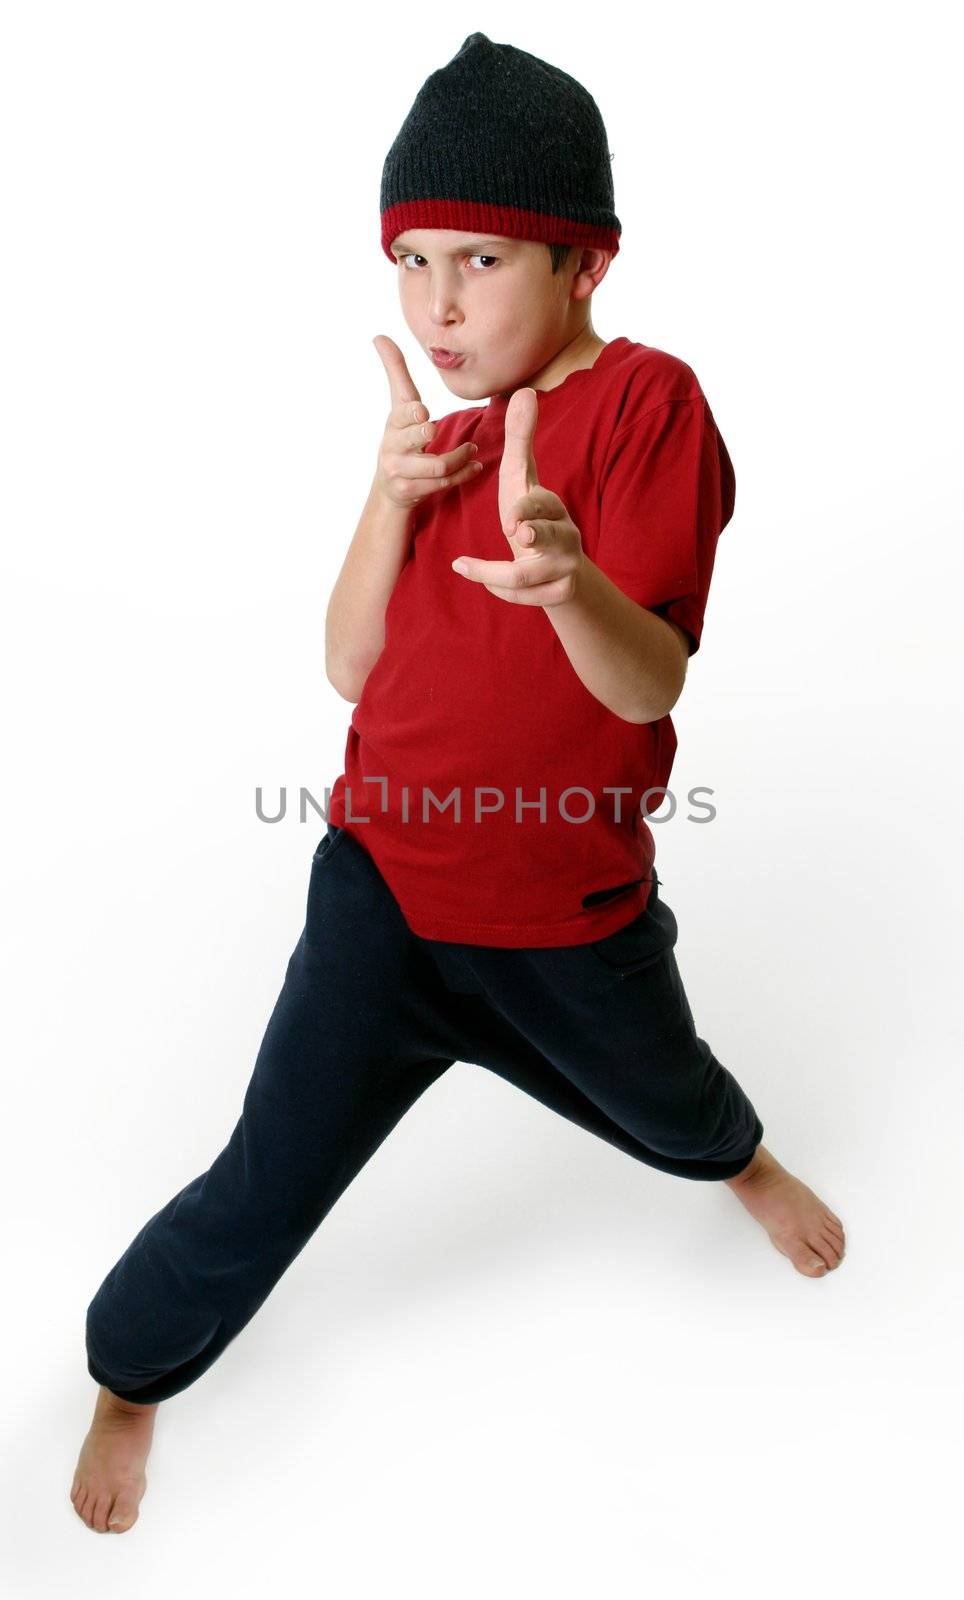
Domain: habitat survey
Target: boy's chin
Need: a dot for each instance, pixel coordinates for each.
(458, 384)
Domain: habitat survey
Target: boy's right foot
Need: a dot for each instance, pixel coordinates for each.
(110, 1478)
(799, 1223)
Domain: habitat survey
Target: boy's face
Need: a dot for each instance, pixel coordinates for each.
(495, 301)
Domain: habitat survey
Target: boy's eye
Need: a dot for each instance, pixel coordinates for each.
(412, 256)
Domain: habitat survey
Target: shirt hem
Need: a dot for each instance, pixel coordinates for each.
(520, 935)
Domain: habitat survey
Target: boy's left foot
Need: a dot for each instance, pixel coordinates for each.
(799, 1224)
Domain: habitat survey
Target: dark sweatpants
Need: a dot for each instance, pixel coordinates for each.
(369, 1015)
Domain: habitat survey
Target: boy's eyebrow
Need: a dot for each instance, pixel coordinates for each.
(469, 244)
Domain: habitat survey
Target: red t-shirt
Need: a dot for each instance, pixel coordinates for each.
(473, 715)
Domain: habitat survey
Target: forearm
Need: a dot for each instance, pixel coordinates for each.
(626, 656)
(355, 619)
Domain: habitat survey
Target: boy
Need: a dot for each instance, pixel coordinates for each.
(513, 618)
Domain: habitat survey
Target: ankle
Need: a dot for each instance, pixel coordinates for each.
(758, 1161)
(115, 1403)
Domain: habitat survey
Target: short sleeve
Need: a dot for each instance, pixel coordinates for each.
(667, 493)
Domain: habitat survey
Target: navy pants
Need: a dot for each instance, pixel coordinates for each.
(369, 1015)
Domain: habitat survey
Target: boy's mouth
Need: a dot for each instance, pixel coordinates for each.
(445, 358)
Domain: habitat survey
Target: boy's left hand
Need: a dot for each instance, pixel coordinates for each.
(546, 547)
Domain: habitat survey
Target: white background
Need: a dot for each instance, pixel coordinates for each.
(512, 1360)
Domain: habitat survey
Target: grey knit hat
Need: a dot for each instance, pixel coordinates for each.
(500, 141)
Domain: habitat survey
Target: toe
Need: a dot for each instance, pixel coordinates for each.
(805, 1258)
(99, 1519)
(85, 1506)
(823, 1250)
(123, 1513)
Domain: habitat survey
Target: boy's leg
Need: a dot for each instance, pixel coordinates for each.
(349, 1047)
(603, 1033)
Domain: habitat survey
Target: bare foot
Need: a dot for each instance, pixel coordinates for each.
(110, 1479)
(799, 1223)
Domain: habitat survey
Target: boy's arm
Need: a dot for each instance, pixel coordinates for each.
(624, 654)
(407, 473)
(355, 619)
(660, 512)
(668, 492)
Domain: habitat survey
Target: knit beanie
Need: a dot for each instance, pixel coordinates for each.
(500, 142)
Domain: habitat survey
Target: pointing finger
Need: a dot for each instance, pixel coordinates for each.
(401, 384)
(517, 469)
(518, 460)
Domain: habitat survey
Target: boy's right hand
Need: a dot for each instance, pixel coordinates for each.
(404, 474)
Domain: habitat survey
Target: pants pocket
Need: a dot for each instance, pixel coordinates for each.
(641, 942)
